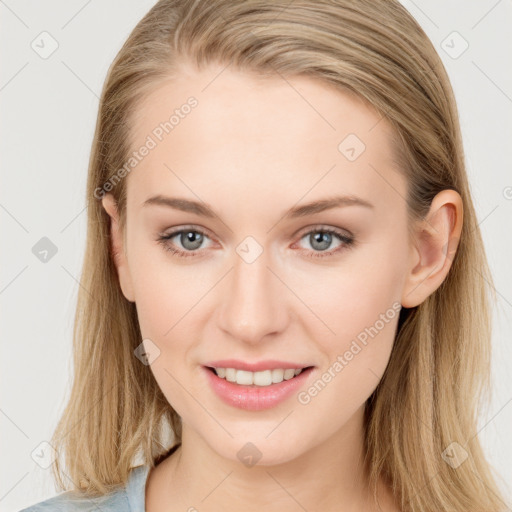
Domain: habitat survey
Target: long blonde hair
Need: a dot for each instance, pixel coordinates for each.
(439, 368)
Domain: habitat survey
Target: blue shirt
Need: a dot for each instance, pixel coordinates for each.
(131, 498)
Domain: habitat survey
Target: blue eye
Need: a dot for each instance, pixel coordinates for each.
(320, 239)
(190, 239)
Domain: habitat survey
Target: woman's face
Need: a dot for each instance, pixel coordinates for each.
(263, 278)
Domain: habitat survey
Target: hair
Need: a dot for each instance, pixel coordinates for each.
(439, 369)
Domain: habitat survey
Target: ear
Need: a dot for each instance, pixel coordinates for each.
(433, 248)
(118, 250)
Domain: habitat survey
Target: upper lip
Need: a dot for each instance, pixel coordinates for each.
(269, 364)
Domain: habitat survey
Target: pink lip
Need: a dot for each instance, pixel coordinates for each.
(255, 398)
(271, 364)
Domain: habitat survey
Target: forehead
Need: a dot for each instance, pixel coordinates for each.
(271, 135)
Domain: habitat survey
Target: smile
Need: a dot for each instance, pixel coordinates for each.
(261, 378)
(256, 391)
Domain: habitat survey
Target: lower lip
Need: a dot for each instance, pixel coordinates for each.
(255, 398)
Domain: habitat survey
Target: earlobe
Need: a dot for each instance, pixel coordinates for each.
(117, 248)
(434, 247)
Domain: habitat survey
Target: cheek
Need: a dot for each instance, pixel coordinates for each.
(352, 295)
(165, 291)
(167, 301)
(165, 296)
(360, 304)
(357, 356)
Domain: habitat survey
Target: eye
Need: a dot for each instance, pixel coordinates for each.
(189, 238)
(320, 239)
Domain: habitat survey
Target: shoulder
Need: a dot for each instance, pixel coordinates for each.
(70, 502)
(129, 498)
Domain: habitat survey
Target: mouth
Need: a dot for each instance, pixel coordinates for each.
(262, 378)
(258, 390)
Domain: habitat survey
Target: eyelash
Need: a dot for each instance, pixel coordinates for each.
(347, 242)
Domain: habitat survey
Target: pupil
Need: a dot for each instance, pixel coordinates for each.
(192, 237)
(323, 244)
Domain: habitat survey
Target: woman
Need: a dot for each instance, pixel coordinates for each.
(283, 269)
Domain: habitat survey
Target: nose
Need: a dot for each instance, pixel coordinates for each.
(253, 306)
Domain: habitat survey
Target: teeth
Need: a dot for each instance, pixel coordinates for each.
(263, 378)
(289, 374)
(221, 372)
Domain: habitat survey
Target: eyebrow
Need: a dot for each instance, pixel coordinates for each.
(205, 210)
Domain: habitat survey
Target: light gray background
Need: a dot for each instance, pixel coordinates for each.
(49, 109)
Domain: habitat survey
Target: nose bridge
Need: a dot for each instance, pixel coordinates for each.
(252, 306)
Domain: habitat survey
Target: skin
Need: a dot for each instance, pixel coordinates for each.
(252, 149)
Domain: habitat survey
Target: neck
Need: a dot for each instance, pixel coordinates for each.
(330, 476)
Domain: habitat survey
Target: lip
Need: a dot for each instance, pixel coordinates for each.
(255, 398)
(269, 364)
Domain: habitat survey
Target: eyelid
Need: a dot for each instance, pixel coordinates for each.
(322, 227)
(189, 227)
(346, 238)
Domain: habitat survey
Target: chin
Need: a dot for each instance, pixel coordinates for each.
(254, 449)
